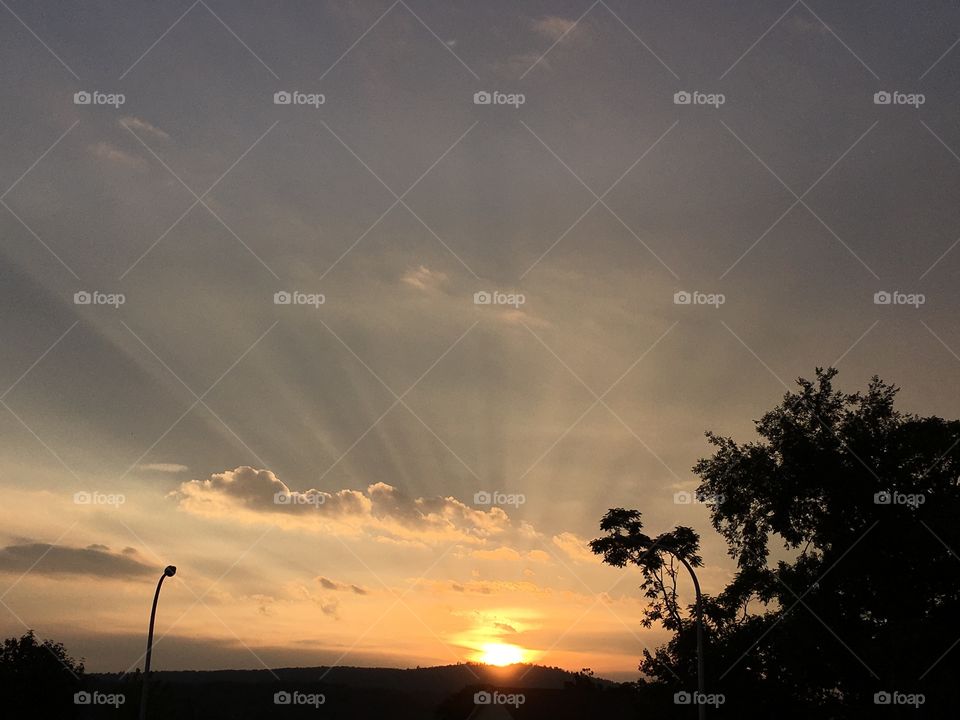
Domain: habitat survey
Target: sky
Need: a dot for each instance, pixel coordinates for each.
(487, 343)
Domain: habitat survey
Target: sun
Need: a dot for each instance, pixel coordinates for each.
(501, 654)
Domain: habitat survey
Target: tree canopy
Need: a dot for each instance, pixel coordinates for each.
(842, 520)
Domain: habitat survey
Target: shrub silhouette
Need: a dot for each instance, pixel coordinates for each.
(38, 679)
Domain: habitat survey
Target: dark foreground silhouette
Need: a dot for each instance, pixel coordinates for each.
(844, 521)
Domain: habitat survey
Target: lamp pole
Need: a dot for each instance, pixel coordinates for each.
(701, 706)
(168, 571)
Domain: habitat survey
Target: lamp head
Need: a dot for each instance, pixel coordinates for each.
(170, 571)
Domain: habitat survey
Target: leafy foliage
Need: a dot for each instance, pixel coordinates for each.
(841, 518)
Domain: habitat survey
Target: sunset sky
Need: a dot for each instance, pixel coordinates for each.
(399, 398)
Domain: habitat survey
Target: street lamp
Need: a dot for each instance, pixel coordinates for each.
(168, 571)
(701, 706)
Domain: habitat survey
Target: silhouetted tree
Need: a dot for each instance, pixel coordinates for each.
(37, 679)
(861, 591)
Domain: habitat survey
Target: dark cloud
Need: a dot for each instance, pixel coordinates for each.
(339, 586)
(46, 559)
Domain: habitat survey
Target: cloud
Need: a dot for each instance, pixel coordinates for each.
(96, 560)
(110, 153)
(339, 586)
(482, 587)
(501, 553)
(519, 318)
(507, 554)
(552, 26)
(139, 125)
(381, 511)
(574, 547)
(423, 278)
(163, 467)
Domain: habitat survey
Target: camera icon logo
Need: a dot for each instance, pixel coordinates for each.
(282, 298)
(482, 698)
(482, 298)
(82, 98)
(82, 698)
(882, 98)
(82, 498)
(682, 98)
(882, 297)
(683, 498)
(282, 498)
(682, 698)
(482, 498)
(882, 698)
(282, 698)
(282, 97)
(882, 498)
(682, 297)
(82, 298)
(482, 97)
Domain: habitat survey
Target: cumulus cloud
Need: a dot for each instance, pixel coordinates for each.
(380, 511)
(138, 125)
(46, 559)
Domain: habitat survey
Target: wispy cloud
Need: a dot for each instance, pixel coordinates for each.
(552, 26)
(423, 278)
(113, 154)
(163, 467)
(139, 125)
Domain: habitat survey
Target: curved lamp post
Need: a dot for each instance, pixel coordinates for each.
(701, 707)
(168, 571)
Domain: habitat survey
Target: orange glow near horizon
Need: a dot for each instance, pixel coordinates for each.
(501, 654)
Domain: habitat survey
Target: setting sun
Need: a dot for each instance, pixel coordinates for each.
(501, 654)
